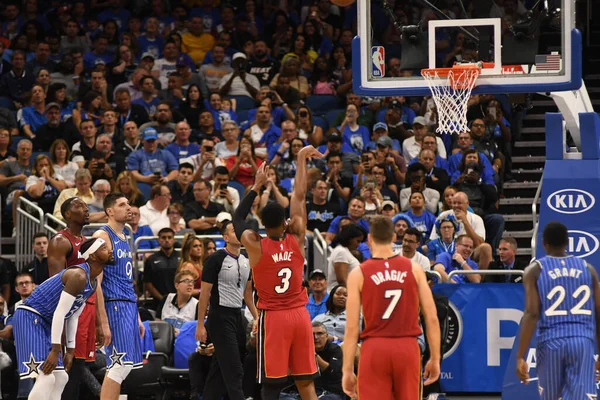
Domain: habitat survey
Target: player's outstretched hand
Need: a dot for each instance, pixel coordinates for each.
(522, 371)
(432, 372)
(50, 362)
(349, 385)
(261, 175)
(309, 152)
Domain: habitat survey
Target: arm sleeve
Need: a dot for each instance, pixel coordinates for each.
(58, 320)
(239, 217)
(71, 330)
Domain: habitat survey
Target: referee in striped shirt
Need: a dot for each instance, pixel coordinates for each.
(226, 284)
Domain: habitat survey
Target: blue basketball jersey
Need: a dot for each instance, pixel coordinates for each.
(44, 299)
(117, 280)
(566, 293)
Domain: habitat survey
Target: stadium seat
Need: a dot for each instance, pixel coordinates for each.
(331, 116)
(15, 142)
(319, 104)
(287, 184)
(243, 103)
(178, 376)
(320, 121)
(146, 380)
(37, 153)
(239, 187)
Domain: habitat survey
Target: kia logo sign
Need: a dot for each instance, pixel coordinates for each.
(571, 201)
(582, 244)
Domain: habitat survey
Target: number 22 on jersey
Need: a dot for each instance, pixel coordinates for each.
(559, 292)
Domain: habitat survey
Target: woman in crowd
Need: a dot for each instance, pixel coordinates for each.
(335, 317)
(244, 165)
(315, 41)
(341, 261)
(121, 69)
(57, 93)
(286, 166)
(230, 146)
(43, 79)
(302, 53)
(191, 259)
(44, 185)
(273, 191)
(90, 107)
(446, 230)
(60, 155)
(220, 111)
(291, 68)
(209, 247)
(307, 131)
(6, 153)
(127, 185)
(471, 157)
(192, 106)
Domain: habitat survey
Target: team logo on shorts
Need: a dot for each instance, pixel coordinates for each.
(116, 357)
(455, 328)
(33, 367)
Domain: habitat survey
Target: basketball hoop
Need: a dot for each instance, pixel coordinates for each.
(451, 90)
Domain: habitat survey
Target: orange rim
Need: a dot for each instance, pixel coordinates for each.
(457, 70)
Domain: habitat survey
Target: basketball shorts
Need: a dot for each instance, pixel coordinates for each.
(125, 347)
(286, 346)
(390, 368)
(33, 341)
(566, 369)
(85, 340)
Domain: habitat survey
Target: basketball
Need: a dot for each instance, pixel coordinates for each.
(342, 3)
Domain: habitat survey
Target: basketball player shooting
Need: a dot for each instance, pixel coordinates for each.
(285, 339)
(391, 289)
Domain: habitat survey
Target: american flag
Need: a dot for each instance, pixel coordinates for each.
(547, 62)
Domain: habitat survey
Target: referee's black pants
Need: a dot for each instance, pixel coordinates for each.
(226, 372)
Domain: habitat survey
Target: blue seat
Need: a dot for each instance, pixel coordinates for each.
(242, 116)
(320, 104)
(220, 243)
(243, 103)
(239, 187)
(320, 121)
(15, 142)
(331, 116)
(37, 153)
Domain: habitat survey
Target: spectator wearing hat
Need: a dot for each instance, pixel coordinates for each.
(163, 67)
(150, 41)
(212, 73)
(350, 161)
(147, 61)
(317, 299)
(129, 112)
(54, 129)
(389, 208)
(321, 209)
(99, 55)
(151, 165)
(401, 223)
(416, 182)
(412, 146)
(239, 82)
(381, 129)
(196, 43)
(187, 70)
(395, 165)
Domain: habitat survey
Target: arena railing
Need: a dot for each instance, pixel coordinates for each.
(485, 272)
(51, 223)
(321, 252)
(437, 274)
(30, 220)
(534, 216)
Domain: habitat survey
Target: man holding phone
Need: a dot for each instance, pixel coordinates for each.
(100, 169)
(222, 193)
(239, 82)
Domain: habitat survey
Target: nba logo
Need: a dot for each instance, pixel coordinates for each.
(378, 57)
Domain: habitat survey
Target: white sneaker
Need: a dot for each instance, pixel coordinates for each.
(433, 396)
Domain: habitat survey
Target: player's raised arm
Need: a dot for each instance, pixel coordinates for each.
(427, 304)
(530, 318)
(246, 236)
(353, 304)
(298, 200)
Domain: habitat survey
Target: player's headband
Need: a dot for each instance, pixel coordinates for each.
(92, 249)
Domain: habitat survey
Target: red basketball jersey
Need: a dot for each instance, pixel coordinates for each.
(73, 258)
(390, 298)
(279, 275)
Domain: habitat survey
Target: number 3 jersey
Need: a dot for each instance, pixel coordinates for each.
(390, 298)
(565, 287)
(279, 275)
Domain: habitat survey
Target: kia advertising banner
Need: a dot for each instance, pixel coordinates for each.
(571, 188)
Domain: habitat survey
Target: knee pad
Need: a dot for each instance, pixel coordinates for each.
(118, 372)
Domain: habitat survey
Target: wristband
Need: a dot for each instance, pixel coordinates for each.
(280, 154)
(463, 263)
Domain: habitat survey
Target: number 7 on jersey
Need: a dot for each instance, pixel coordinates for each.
(395, 295)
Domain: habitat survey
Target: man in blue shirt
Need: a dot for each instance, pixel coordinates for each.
(356, 212)
(99, 55)
(460, 261)
(317, 281)
(150, 165)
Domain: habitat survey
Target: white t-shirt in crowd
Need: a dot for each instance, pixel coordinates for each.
(475, 221)
(340, 254)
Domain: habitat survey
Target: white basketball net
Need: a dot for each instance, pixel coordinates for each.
(451, 96)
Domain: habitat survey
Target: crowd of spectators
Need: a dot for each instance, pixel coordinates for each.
(176, 105)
